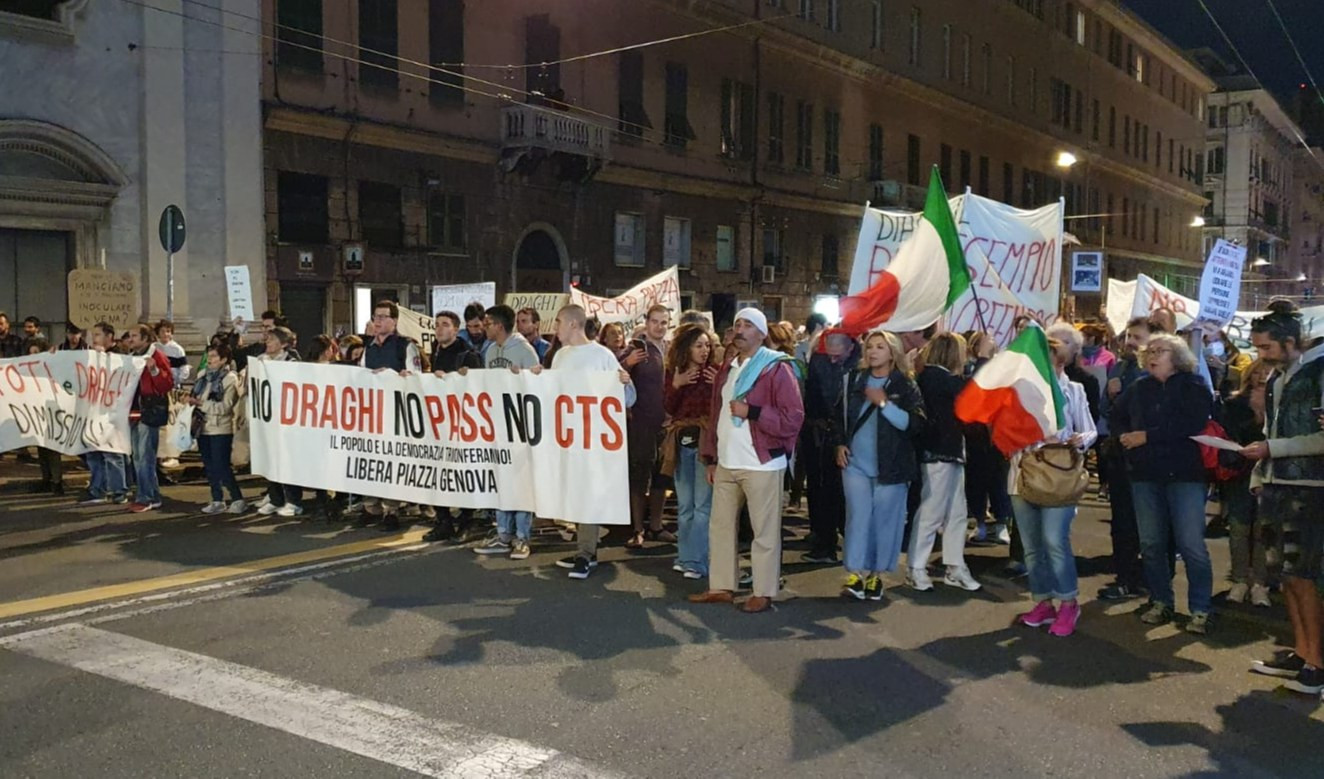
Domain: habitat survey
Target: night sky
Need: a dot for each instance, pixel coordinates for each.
(1254, 30)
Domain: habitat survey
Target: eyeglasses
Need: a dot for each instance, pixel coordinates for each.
(1159, 350)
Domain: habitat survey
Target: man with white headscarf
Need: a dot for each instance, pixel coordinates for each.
(754, 421)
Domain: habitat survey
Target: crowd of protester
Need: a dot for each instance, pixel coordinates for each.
(865, 428)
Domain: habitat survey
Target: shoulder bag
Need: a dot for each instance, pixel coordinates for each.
(1052, 475)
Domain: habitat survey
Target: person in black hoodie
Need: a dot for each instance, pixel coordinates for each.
(828, 368)
(451, 354)
(1154, 421)
(941, 446)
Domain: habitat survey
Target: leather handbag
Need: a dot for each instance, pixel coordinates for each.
(1052, 475)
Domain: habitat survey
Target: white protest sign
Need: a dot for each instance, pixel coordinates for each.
(454, 297)
(1014, 256)
(1220, 286)
(1142, 297)
(547, 304)
(473, 441)
(420, 327)
(239, 290)
(73, 402)
(633, 304)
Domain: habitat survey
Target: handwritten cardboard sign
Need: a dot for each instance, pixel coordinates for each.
(1220, 286)
(97, 295)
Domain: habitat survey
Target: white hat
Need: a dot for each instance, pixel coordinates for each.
(754, 317)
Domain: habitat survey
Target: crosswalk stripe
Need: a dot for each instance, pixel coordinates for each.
(382, 732)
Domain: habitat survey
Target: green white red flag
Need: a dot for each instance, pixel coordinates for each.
(1016, 394)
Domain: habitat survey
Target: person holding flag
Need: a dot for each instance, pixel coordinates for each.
(1025, 398)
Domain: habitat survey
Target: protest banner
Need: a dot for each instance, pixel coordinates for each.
(239, 290)
(473, 441)
(1220, 286)
(97, 295)
(73, 402)
(420, 327)
(545, 303)
(454, 297)
(1014, 256)
(1143, 296)
(632, 305)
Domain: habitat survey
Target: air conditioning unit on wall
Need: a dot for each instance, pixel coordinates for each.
(769, 274)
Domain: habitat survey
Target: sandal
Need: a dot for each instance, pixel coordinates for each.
(636, 541)
(661, 535)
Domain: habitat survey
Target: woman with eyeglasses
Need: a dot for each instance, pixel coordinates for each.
(1154, 421)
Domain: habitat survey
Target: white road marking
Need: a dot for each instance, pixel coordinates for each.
(375, 730)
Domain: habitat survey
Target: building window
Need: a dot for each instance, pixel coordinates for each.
(1171, 154)
(834, 15)
(1112, 127)
(675, 242)
(828, 269)
(302, 213)
(542, 44)
(633, 118)
(965, 169)
(446, 228)
(381, 218)
(832, 142)
(945, 164)
(986, 73)
(912, 160)
(1094, 124)
(1126, 216)
(1144, 143)
(776, 127)
(772, 250)
(1008, 183)
(726, 248)
(677, 130)
(299, 35)
(876, 25)
(629, 240)
(1140, 67)
(1215, 161)
(1080, 111)
(965, 60)
(1156, 225)
(1080, 27)
(983, 176)
(1011, 80)
(806, 9)
(804, 135)
(1158, 151)
(737, 120)
(875, 152)
(946, 51)
(446, 46)
(1034, 91)
(379, 40)
(1126, 134)
(914, 35)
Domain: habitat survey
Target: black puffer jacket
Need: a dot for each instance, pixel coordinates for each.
(1170, 413)
(942, 440)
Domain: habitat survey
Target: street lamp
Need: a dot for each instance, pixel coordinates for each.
(1065, 159)
(1198, 221)
(1260, 262)
(1301, 277)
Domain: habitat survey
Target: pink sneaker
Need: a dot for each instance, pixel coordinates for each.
(1067, 616)
(1040, 615)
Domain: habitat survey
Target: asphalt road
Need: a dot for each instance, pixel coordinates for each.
(358, 654)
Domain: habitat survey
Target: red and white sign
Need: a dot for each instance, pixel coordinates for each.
(73, 402)
(553, 443)
(633, 304)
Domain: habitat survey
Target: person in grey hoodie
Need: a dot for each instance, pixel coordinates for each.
(509, 350)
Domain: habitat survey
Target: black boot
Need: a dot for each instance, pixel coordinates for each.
(389, 523)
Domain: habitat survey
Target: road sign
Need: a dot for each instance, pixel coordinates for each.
(172, 229)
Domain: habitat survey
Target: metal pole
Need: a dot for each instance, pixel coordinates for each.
(170, 266)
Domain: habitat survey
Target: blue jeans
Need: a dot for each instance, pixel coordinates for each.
(875, 522)
(215, 451)
(107, 469)
(694, 503)
(1049, 561)
(515, 523)
(145, 439)
(1174, 509)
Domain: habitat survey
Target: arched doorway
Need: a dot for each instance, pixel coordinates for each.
(540, 260)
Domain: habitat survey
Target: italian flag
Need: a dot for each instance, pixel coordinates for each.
(927, 275)
(1015, 394)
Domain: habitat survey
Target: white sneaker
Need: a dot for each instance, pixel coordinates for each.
(1259, 596)
(172, 463)
(267, 509)
(215, 507)
(266, 501)
(1003, 535)
(1238, 592)
(918, 579)
(959, 576)
(289, 510)
(238, 507)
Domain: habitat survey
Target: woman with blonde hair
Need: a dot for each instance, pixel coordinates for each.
(875, 426)
(942, 459)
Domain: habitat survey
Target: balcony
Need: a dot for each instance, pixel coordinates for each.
(894, 194)
(530, 133)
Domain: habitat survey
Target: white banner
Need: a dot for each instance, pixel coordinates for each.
(239, 289)
(553, 444)
(1220, 286)
(1014, 256)
(633, 304)
(1142, 297)
(73, 402)
(420, 327)
(454, 297)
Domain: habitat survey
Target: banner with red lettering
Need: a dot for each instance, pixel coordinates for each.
(73, 402)
(1014, 256)
(632, 305)
(1143, 296)
(553, 443)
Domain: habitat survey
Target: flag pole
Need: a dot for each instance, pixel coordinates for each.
(979, 309)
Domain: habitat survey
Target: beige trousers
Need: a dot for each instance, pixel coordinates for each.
(762, 491)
